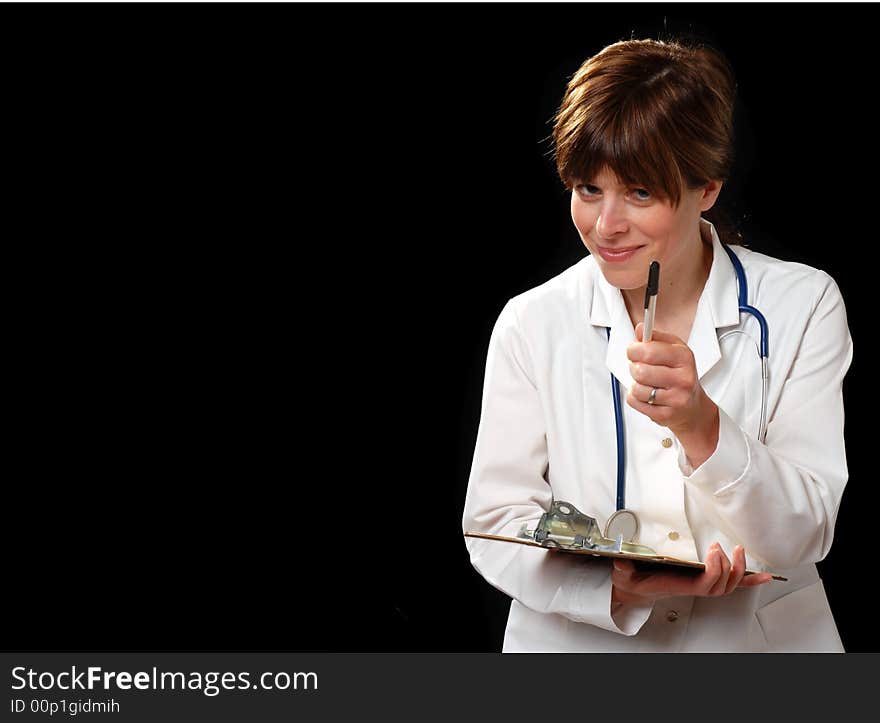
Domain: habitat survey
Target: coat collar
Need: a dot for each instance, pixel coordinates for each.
(718, 307)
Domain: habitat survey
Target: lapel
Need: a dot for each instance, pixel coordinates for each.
(718, 307)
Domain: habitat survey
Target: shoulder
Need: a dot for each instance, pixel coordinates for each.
(786, 283)
(557, 300)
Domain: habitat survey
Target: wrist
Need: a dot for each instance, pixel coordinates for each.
(701, 440)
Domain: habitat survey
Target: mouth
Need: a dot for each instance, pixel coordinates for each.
(617, 254)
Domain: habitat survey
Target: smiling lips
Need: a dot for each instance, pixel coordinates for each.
(621, 254)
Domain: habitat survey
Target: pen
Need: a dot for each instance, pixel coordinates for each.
(651, 300)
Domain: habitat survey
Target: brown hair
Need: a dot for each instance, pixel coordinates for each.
(657, 114)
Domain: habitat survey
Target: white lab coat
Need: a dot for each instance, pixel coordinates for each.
(547, 432)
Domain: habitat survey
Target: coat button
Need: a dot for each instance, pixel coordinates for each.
(672, 616)
(667, 442)
(673, 535)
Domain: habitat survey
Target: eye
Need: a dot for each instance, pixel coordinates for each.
(587, 190)
(641, 194)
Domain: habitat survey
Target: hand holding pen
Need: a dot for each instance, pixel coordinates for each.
(667, 387)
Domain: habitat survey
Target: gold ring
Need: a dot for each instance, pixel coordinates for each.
(653, 396)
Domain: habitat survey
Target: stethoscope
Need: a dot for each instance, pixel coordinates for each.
(624, 522)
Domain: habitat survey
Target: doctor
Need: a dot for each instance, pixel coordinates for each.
(643, 139)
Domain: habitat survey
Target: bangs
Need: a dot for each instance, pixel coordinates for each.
(631, 147)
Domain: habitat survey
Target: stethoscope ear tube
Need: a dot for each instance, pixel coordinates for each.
(743, 299)
(765, 383)
(744, 308)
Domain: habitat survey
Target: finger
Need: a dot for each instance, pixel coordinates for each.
(663, 397)
(712, 572)
(660, 353)
(737, 570)
(659, 413)
(654, 352)
(653, 375)
(624, 566)
(721, 585)
(756, 578)
(658, 335)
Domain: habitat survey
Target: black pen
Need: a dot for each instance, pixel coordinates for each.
(651, 300)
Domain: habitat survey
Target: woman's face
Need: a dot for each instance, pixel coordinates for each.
(625, 228)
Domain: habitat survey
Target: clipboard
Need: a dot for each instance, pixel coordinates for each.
(643, 562)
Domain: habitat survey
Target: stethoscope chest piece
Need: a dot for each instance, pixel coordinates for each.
(623, 522)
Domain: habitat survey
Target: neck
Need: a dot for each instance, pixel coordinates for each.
(679, 291)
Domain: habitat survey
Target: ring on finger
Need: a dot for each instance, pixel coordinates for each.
(653, 396)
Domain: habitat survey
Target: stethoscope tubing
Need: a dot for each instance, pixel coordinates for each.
(621, 443)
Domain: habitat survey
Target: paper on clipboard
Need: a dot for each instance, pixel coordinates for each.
(642, 561)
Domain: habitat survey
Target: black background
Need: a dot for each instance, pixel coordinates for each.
(254, 257)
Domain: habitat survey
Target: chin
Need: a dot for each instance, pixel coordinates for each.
(623, 279)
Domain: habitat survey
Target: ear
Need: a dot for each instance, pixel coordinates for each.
(709, 194)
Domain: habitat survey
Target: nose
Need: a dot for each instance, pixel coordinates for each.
(612, 219)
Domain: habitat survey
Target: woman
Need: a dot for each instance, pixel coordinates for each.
(643, 139)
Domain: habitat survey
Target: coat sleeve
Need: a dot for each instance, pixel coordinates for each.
(780, 499)
(508, 486)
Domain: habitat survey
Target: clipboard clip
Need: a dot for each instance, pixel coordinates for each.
(566, 527)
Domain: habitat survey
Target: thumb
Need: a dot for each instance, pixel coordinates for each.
(623, 565)
(640, 328)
